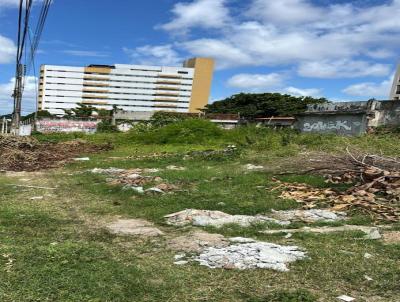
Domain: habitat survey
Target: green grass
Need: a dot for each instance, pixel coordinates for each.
(57, 249)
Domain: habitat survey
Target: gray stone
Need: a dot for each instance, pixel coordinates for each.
(138, 227)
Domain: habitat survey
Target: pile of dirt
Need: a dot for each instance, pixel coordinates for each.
(28, 154)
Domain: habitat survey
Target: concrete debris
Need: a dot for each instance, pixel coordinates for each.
(370, 232)
(345, 298)
(135, 227)
(109, 171)
(253, 167)
(36, 198)
(391, 237)
(368, 256)
(81, 159)
(155, 191)
(250, 256)
(368, 278)
(195, 242)
(313, 215)
(241, 240)
(216, 219)
(176, 168)
(181, 262)
(133, 179)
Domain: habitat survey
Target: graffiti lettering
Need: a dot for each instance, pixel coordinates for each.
(327, 126)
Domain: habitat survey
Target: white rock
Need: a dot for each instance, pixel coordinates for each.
(251, 255)
(134, 176)
(176, 168)
(138, 189)
(216, 218)
(155, 190)
(82, 159)
(368, 278)
(368, 255)
(36, 198)
(345, 298)
(373, 234)
(313, 215)
(241, 240)
(181, 262)
(253, 167)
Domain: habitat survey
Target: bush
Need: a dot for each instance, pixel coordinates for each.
(106, 127)
(190, 131)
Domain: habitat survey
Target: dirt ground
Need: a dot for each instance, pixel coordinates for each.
(28, 154)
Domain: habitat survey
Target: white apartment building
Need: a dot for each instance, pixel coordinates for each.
(129, 87)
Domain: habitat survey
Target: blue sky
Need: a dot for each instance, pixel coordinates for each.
(342, 50)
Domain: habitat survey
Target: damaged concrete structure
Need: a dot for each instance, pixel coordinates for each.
(349, 118)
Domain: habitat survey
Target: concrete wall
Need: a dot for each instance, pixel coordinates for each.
(66, 126)
(343, 124)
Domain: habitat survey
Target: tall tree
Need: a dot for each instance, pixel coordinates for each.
(252, 105)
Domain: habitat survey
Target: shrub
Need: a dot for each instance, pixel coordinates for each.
(189, 131)
(105, 126)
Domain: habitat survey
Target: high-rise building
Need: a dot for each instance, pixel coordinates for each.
(395, 92)
(129, 87)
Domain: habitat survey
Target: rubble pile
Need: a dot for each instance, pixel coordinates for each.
(28, 154)
(133, 179)
(376, 189)
(246, 253)
(216, 219)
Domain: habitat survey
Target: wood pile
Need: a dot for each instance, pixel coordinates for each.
(375, 190)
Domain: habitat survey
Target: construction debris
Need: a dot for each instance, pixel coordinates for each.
(135, 227)
(28, 154)
(176, 168)
(253, 167)
(370, 232)
(345, 298)
(250, 255)
(197, 241)
(309, 216)
(216, 219)
(132, 179)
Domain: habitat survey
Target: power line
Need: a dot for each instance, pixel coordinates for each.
(24, 14)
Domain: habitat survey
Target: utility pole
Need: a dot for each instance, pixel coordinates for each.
(16, 118)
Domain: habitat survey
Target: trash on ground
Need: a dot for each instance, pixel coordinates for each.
(133, 179)
(216, 218)
(376, 189)
(136, 227)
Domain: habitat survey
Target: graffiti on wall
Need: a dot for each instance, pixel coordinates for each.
(49, 126)
(330, 126)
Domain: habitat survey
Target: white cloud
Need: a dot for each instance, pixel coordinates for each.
(273, 33)
(342, 69)
(86, 53)
(256, 81)
(28, 100)
(199, 13)
(155, 55)
(8, 50)
(272, 82)
(287, 12)
(314, 92)
(370, 89)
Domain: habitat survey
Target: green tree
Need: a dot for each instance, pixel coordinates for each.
(252, 105)
(81, 111)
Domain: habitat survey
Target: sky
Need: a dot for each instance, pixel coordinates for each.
(338, 49)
